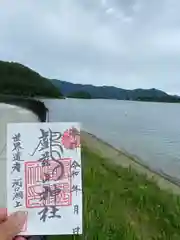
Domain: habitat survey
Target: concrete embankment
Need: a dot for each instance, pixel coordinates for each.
(10, 114)
(115, 156)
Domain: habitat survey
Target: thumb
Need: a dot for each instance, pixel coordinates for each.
(13, 225)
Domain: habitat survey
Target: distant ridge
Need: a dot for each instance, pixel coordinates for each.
(110, 92)
(19, 80)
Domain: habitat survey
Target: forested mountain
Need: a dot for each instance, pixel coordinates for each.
(17, 79)
(107, 92)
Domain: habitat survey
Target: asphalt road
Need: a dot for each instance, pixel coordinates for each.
(9, 114)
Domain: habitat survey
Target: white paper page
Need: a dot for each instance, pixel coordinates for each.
(44, 176)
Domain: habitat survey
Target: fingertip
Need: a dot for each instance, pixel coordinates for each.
(3, 214)
(3, 211)
(20, 215)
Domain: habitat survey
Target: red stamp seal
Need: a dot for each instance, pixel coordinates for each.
(42, 186)
(71, 139)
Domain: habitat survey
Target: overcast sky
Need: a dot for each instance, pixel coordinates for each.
(125, 43)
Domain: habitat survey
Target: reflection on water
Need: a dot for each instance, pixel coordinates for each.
(150, 131)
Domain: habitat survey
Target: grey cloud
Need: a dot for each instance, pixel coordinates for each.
(130, 43)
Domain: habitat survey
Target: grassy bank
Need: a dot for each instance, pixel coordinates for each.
(121, 204)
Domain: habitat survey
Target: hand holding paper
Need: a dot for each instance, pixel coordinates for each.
(11, 225)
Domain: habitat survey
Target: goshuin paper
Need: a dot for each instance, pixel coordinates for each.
(44, 177)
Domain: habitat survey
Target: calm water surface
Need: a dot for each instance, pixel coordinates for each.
(150, 131)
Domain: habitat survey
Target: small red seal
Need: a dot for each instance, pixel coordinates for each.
(71, 138)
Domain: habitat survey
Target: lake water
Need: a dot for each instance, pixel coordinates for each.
(149, 131)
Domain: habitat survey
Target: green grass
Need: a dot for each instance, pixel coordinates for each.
(121, 204)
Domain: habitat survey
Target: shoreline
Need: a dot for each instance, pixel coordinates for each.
(117, 157)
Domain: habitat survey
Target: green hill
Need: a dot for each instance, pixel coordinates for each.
(16, 79)
(80, 94)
